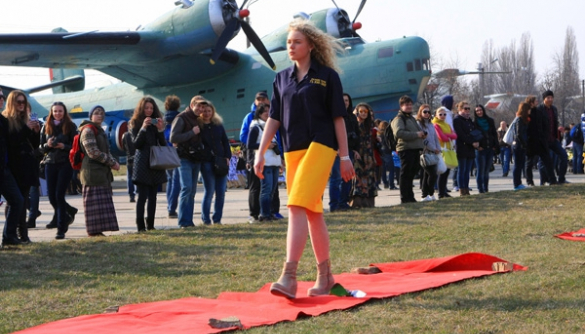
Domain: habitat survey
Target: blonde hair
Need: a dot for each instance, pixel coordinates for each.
(15, 119)
(215, 117)
(324, 45)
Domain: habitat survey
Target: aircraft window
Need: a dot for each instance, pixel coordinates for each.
(241, 90)
(201, 92)
(426, 64)
(417, 65)
(239, 96)
(386, 52)
(211, 90)
(412, 81)
(409, 67)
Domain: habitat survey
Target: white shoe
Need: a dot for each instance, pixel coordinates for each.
(427, 199)
(433, 198)
(455, 188)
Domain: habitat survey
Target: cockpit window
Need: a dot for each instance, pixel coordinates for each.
(417, 65)
(409, 67)
(386, 52)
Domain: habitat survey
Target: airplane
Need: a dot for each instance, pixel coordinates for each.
(184, 52)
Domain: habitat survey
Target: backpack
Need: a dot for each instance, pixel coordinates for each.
(389, 139)
(76, 155)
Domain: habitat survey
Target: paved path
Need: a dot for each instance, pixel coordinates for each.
(235, 210)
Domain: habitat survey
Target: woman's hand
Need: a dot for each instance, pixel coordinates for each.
(116, 166)
(146, 123)
(347, 172)
(160, 125)
(437, 151)
(259, 166)
(34, 125)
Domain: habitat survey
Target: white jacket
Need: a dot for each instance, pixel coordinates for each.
(270, 158)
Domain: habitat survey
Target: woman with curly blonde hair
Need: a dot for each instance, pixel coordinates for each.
(308, 108)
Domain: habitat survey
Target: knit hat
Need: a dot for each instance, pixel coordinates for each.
(93, 109)
(547, 93)
(447, 102)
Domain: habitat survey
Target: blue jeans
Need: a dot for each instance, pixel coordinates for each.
(557, 152)
(335, 182)
(388, 170)
(129, 184)
(212, 184)
(33, 196)
(483, 162)
(505, 152)
(464, 169)
(188, 173)
(15, 200)
(577, 158)
(58, 179)
(173, 189)
(519, 162)
(267, 189)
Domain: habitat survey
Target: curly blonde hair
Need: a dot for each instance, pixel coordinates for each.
(324, 45)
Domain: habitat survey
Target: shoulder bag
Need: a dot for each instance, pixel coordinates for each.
(164, 157)
(220, 164)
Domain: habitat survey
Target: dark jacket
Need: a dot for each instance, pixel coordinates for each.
(537, 140)
(406, 130)
(169, 117)
(215, 142)
(143, 139)
(551, 132)
(188, 143)
(22, 159)
(353, 131)
(128, 146)
(464, 142)
(490, 137)
(3, 146)
(521, 135)
(56, 155)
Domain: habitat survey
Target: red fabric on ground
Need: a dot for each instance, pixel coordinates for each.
(191, 315)
(570, 235)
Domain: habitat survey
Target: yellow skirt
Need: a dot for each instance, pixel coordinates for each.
(307, 173)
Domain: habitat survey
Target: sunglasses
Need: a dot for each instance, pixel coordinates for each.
(442, 114)
(2, 97)
(20, 101)
(467, 108)
(425, 112)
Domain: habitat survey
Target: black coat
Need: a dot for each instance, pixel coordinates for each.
(55, 155)
(215, 142)
(463, 128)
(537, 135)
(143, 140)
(3, 145)
(22, 160)
(490, 137)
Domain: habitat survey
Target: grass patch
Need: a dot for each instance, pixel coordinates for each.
(44, 282)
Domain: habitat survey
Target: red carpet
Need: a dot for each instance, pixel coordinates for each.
(191, 315)
(573, 236)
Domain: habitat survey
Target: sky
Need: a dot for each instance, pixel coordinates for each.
(456, 30)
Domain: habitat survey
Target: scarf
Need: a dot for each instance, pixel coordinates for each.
(446, 128)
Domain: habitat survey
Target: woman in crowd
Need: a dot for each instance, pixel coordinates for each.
(216, 144)
(8, 186)
(520, 144)
(432, 145)
(23, 137)
(310, 118)
(147, 128)
(466, 146)
(446, 136)
(96, 175)
(272, 160)
(488, 147)
(56, 140)
(386, 156)
(364, 184)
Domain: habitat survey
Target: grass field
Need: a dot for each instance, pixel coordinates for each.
(44, 282)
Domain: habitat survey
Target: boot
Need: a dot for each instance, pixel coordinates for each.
(71, 211)
(31, 223)
(150, 223)
(287, 283)
(467, 192)
(461, 192)
(53, 222)
(325, 280)
(22, 232)
(140, 224)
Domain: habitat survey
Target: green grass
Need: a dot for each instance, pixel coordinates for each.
(44, 282)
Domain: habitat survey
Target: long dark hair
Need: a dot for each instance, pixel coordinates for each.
(138, 116)
(368, 120)
(67, 122)
(523, 110)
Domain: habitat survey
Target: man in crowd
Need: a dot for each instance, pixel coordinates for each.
(549, 125)
(408, 146)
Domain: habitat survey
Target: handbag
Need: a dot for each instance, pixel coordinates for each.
(441, 167)
(509, 136)
(220, 166)
(476, 135)
(449, 156)
(164, 157)
(42, 166)
(428, 159)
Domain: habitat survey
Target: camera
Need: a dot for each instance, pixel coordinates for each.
(276, 149)
(154, 121)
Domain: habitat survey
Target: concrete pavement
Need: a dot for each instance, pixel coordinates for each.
(235, 209)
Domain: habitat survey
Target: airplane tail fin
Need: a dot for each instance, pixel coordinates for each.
(60, 74)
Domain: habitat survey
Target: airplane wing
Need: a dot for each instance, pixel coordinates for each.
(139, 58)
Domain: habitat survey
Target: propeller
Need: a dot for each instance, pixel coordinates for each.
(350, 27)
(233, 23)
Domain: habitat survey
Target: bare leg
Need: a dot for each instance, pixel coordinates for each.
(319, 235)
(298, 231)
